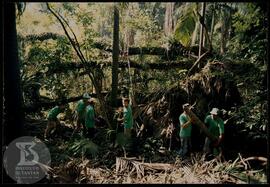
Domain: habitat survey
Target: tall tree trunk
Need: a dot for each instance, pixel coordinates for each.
(99, 75)
(105, 83)
(201, 29)
(168, 24)
(195, 34)
(212, 24)
(115, 56)
(229, 23)
(204, 30)
(13, 100)
(172, 24)
(226, 22)
(222, 37)
(131, 37)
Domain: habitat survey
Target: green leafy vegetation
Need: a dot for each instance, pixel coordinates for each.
(164, 61)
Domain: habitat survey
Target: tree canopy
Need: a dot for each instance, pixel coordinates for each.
(160, 55)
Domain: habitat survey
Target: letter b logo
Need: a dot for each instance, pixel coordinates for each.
(28, 157)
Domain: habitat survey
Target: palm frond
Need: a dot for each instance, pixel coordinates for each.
(185, 26)
(121, 139)
(83, 146)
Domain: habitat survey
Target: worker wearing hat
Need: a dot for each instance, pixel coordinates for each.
(216, 127)
(185, 130)
(90, 118)
(80, 113)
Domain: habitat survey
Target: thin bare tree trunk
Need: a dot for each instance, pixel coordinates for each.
(204, 30)
(212, 24)
(222, 40)
(201, 29)
(168, 24)
(204, 39)
(194, 34)
(224, 31)
(76, 46)
(131, 37)
(172, 12)
(230, 23)
(115, 57)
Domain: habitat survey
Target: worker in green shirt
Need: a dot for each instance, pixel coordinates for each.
(127, 119)
(80, 113)
(52, 119)
(185, 131)
(90, 118)
(216, 127)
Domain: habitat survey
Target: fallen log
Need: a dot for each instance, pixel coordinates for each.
(48, 104)
(160, 51)
(40, 37)
(59, 67)
(155, 166)
(130, 165)
(74, 66)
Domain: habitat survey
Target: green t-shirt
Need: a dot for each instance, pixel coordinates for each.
(53, 113)
(215, 127)
(184, 132)
(128, 119)
(90, 117)
(81, 106)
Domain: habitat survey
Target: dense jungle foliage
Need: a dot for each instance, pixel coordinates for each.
(160, 55)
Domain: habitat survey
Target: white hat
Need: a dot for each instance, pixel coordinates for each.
(86, 96)
(186, 105)
(214, 111)
(92, 100)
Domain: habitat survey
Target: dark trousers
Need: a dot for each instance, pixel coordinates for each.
(185, 145)
(210, 149)
(90, 132)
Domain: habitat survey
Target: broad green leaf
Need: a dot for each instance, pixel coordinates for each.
(184, 29)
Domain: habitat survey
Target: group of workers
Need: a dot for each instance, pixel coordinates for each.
(86, 119)
(215, 126)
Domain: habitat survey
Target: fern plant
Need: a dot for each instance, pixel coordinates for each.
(83, 147)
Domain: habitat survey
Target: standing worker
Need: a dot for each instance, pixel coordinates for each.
(185, 130)
(216, 127)
(80, 114)
(90, 118)
(52, 120)
(127, 117)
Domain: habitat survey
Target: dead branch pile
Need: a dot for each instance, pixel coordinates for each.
(132, 170)
(213, 86)
(161, 108)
